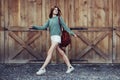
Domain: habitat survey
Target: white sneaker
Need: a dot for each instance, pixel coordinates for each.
(41, 71)
(70, 69)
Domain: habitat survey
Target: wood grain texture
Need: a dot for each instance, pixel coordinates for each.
(99, 21)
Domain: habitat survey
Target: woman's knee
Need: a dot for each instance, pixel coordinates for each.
(60, 51)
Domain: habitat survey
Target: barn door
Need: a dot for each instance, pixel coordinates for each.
(98, 23)
(23, 45)
(94, 45)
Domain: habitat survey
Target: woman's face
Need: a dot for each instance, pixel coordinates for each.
(55, 11)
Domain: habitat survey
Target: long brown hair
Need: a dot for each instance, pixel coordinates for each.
(51, 12)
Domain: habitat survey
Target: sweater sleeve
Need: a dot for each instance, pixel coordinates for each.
(41, 27)
(65, 26)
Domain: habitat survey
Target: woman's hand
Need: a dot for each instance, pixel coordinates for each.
(75, 35)
(30, 27)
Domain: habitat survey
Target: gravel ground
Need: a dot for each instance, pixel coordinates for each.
(57, 72)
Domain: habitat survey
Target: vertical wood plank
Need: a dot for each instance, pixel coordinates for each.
(13, 12)
(6, 33)
(114, 35)
(110, 23)
(0, 32)
(0, 12)
(22, 11)
(77, 47)
(71, 24)
(116, 38)
(90, 35)
(39, 22)
(26, 19)
(118, 31)
(2, 23)
(65, 11)
(114, 47)
(116, 17)
(48, 8)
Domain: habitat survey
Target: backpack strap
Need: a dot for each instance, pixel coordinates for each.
(60, 24)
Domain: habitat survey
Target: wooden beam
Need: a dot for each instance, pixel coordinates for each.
(22, 43)
(92, 45)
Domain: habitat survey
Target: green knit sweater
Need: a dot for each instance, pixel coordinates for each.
(54, 27)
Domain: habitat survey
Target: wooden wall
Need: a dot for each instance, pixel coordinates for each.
(99, 43)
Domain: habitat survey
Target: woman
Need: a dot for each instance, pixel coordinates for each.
(55, 33)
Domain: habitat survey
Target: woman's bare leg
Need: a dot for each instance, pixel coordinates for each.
(49, 55)
(65, 58)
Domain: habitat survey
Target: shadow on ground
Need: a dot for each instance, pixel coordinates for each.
(57, 72)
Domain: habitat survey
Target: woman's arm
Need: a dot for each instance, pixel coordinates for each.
(41, 27)
(66, 27)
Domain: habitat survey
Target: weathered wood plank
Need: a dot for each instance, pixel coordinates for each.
(2, 23)
(116, 26)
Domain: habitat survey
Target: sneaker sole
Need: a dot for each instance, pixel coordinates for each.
(40, 74)
(70, 71)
